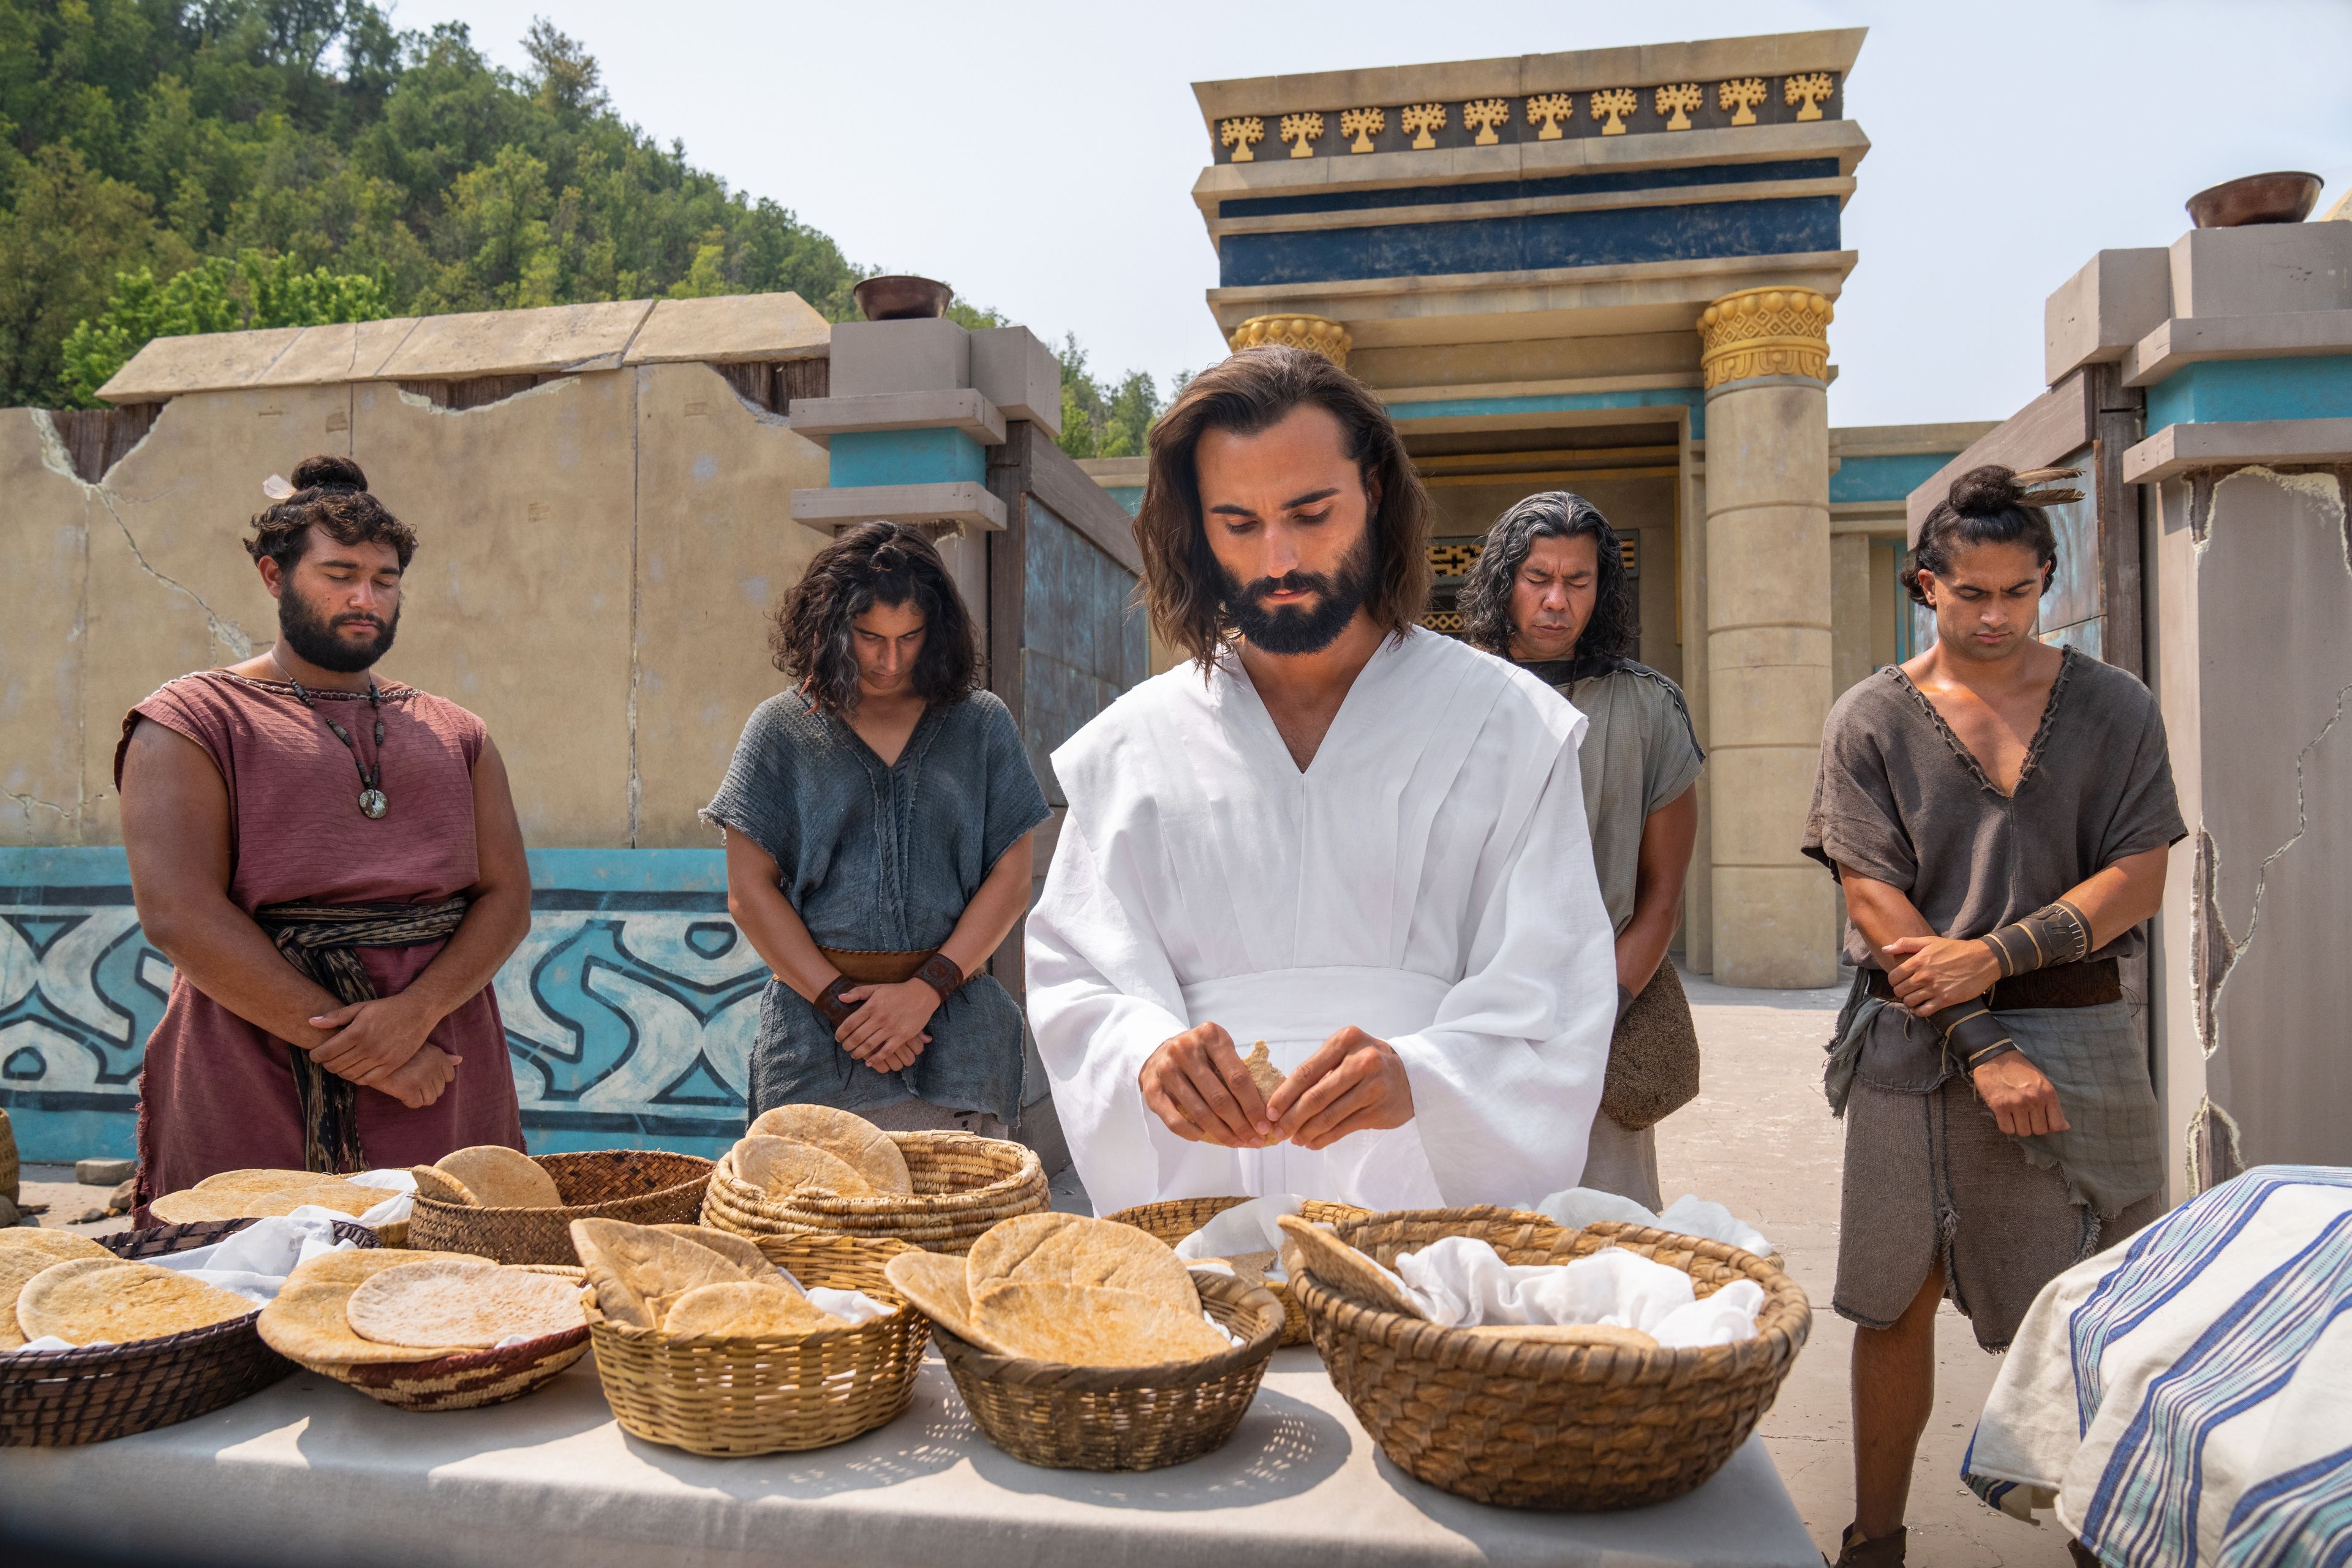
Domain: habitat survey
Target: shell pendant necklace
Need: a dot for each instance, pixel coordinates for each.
(374, 803)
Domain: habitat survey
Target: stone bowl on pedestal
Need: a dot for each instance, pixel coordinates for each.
(2283, 198)
(896, 297)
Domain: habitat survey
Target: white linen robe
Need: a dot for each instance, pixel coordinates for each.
(1428, 879)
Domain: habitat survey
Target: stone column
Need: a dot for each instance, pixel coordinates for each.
(1766, 364)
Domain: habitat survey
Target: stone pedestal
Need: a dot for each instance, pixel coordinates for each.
(1767, 631)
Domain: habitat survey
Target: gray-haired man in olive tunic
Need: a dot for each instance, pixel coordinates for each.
(1998, 811)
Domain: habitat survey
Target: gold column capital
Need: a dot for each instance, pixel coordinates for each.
(1325, 336)
(1765, 332)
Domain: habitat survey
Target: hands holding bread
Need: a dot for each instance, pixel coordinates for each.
(1206, 1092)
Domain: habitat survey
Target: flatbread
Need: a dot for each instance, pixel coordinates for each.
(1567, 1334)
(854, 1141)
(233, 1203)
(86, 1298)
(1077, 1325)
(474, 1305)
(744, 1309)
(780, 1167)
(259, 1180)
(502, 1178)
(56, 1246)
(306, 1323)
(1263, 1072)
(25, 1252)
(741, 1250)
(1070, 1249)
(935, 1284)
(629, 1265)
(1250, 1267)
(432, 1182)
(1341, 1266)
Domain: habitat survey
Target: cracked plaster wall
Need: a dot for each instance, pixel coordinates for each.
(2254, 601)
(597, 559)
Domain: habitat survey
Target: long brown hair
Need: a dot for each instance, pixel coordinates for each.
(874, 563)
(1182, 587)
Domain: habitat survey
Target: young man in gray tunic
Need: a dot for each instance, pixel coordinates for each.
(1998, 811)
(1549, 591)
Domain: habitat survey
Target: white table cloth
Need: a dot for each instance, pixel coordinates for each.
(310, 1472)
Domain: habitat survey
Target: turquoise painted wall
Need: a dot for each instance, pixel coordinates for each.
(1884, 478)
(2230, 391)
(906, 458)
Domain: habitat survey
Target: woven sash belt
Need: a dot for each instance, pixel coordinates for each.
(321, 940)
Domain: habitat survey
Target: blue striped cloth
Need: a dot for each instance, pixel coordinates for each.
(2186, 1397)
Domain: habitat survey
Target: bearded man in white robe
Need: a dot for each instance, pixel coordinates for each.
(1331, 830)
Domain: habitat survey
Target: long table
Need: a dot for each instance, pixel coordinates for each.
(310, 1472)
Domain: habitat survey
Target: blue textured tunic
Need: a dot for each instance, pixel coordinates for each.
(884, 858)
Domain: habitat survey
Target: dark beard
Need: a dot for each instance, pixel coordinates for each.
(317, 641)
(1289, 630)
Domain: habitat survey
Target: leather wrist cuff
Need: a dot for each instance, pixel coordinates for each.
(1972, 1033)
(2053, 934)
(829, 1005)
(942, 973)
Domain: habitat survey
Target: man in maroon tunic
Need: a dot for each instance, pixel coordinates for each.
(334, 866)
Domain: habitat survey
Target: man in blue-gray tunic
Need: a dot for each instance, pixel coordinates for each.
(877, 817)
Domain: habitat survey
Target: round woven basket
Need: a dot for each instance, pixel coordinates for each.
(728, 1397)
(470, 1380)
(1527, 1424)
(1129, 1419)
(50, 1399)
(963, 1184)
(642, 1187)
(1173, 1219)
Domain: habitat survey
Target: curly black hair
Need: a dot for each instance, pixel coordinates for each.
(1486, 598)
(1985, 506)
(331, 494)
(874, 563)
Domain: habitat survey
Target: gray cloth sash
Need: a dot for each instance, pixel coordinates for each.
(321, 940)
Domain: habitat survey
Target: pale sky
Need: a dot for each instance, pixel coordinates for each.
(1039, 157)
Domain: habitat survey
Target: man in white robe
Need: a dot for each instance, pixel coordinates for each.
(1357, 840)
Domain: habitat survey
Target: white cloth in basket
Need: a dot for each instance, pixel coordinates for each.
(1461, 1281)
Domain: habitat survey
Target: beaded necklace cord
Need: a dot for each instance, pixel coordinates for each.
(374, 803)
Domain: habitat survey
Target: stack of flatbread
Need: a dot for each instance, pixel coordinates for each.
(488, 1176)
(380, 1306)
(818, 1150)
(54, 1284)
(264, 1195)
(1059, 1288)
(687, 1282)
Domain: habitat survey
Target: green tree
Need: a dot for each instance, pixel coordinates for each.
(1100, 419)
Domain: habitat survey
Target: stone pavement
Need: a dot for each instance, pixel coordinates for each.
(1760, 1139)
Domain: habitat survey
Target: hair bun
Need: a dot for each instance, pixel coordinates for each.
(1987, 491)
(887, 558)
(327, 469)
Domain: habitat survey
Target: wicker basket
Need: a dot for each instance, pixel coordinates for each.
(1527, 1424)
(1173, 1219)
(468, 1380)
(1131, 1418)
(728, 1397)
(963, 1184)
(642, 1187)
(49, 1399)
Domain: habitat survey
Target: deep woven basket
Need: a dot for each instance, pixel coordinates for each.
(963, 1184)
(51, 1399)
(470, 1380)
(1527, 1424)
(1173, 1219)
(731, 1397)
(642, 1187)
(1133, 1418)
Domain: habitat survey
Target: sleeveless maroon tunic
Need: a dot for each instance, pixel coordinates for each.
(217, 1093)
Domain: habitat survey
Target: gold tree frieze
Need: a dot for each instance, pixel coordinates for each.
(1808, 90)
(1363, 124)
(1679, 99)
(1300, 131)
(1614, 105)
(1241, 135)
(1742, 95)
(1547, 110)
(1482, 115)
(1421, 118)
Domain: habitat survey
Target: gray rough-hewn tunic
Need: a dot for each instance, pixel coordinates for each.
(1640, 753)
(884, 858)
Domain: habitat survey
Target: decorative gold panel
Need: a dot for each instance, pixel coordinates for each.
(1809, 90)
(1482, 115)
(1547, 110)
(1447, 621)
(1453, 560)
(1742, 94)
(1679, 100)
(1421, 118)
(1300, 130)
(1765, 332)
(1363, 124)
(1615, 104)
(1325, 337)
(1241, 135)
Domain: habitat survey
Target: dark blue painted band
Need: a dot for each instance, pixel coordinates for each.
(1512, 190)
